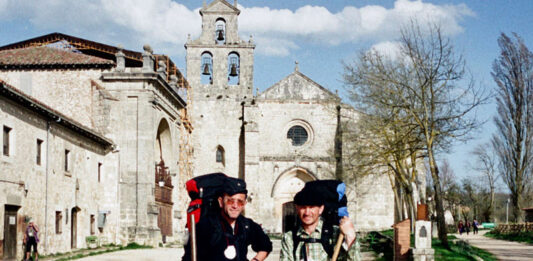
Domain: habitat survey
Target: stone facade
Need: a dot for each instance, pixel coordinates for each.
(138, 111)
(253, 130)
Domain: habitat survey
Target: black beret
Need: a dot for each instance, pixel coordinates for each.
(233, 186)
(308, 197)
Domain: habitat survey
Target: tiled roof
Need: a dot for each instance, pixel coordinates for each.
(46, 56)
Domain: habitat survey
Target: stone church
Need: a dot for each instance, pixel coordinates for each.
(277, 139)
(99, 141)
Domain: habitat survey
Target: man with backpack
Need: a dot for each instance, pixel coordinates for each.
(226, 235)
(314, 239)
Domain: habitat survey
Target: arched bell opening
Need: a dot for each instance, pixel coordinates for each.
(234, 68)
(220, 31)
(206, 76)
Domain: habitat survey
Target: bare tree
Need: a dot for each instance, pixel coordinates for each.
(384, 147)
(486, 165)
(513, 73)
(426, 85)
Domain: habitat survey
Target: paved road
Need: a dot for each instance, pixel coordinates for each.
(503, 250)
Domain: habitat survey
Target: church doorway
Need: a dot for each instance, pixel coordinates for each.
(286, 186)
(290, 216)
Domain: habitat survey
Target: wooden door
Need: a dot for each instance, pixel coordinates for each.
(10, 232)
(163, 199)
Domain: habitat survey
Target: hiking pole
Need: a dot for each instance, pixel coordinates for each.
(193, 238)
(337, 248)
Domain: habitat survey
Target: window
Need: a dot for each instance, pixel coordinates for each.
(67, 156)
(59, 216)
(92, 224)
(220, 155)
(39, 151)
(298, 135)
(99, 170)
(7, 130)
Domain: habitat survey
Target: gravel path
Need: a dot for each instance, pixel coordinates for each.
(503, 250)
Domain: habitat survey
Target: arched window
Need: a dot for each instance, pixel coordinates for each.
(220, 31)
(220, 157)
(234, 69)
(207, 68)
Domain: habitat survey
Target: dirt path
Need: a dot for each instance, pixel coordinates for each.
(503, 250)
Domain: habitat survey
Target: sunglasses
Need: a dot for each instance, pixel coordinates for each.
(231, 201)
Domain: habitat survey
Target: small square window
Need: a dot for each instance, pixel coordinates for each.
(39, 152)
(6, 139)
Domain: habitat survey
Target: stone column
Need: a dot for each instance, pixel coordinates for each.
(148, 59)
(121, 60)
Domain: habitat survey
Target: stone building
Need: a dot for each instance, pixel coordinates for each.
(118, 132)
(95, 142)
(276, 140)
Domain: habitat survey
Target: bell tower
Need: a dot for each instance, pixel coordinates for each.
(220, 72)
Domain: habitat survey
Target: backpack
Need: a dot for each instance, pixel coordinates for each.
(204, 192)
(335, 202)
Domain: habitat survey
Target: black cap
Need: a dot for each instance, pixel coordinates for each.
(308, 197)
(234, 186)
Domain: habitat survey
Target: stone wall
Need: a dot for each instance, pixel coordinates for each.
(47, 187)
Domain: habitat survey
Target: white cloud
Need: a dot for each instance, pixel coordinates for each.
(369, 23)
(165, 23)
(387, 49)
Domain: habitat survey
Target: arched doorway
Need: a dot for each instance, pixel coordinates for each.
(163, 180)
(286, 186)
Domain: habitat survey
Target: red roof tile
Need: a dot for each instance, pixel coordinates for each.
(43, 55)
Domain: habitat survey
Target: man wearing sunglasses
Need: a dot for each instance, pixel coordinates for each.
(227, 235)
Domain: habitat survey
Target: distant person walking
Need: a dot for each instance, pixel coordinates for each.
(31, 239)
(460, 227)
(475, 225)
(467, 227)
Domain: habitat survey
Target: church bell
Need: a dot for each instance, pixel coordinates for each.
(220, 35)
(233, 71)
(206, 69)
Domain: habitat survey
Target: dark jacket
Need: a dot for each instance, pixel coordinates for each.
(214, 234)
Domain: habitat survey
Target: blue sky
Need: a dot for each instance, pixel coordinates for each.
(318, 34)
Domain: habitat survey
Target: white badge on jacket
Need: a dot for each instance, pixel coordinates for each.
(230, 252)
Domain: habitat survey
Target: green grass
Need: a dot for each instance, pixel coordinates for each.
(460, 251)
(525, 237)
